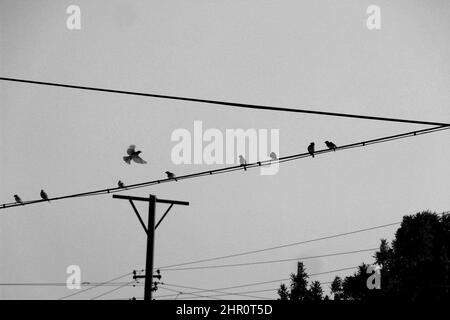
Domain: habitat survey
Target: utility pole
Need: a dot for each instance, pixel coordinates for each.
(150, 248)
(150, 230)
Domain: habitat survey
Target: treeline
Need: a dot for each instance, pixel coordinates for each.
(415, 266)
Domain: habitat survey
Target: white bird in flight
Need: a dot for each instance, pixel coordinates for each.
(133, 155)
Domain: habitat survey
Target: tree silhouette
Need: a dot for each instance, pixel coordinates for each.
(283, 292)
(299, 290)
(336, 288)
(299, 283)
(414, 267)
(315, 292)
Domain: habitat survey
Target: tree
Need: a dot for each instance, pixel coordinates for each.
(336, 288)
(315, 292)
(414, 267)
(299, 290)
(299, 283)
(283, 292)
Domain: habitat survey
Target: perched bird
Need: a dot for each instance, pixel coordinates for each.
(44, 195)
(311, 149)
(120, 184)
(17, 198)
(171, 175)
(133, 155)
(243, 162)
(273, 156)
(331, 145)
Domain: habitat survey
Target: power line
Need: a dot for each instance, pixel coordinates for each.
(61, 284)
(179, 293)
(240, 293)
(252, 291)
(221, 293)
(166, 268)
(54, 284)
(265, 282)
(134, 284)
(232, 168)
(96, 286)
(112, 290)
(271, 261)
(224, 103)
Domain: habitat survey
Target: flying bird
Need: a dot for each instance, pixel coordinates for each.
(243, 162)
(331, 145)
(44, 195)
(120, 184)
(273, 156)
(311, 149)
(171, 175)
(17, 198)
(133, 155)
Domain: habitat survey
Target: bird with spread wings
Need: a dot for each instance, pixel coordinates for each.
(133, 155)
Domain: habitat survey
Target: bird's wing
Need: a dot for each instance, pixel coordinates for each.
(138, 159)
(127, 159)
(131, 149)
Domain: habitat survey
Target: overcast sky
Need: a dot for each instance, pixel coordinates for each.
(300, 54)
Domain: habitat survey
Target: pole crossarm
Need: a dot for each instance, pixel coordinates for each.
(180, 203)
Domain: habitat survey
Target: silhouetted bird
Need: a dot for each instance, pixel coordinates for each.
(243, 162)
(44, 195)
(17, 198)
(120, 184)
(331, 145)
(273, 156)
(311, 149)
(133, 155)
(171, 175)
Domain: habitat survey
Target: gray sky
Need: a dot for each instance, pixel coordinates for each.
(305, 54)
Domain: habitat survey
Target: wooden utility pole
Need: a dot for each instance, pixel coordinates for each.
(150, 230)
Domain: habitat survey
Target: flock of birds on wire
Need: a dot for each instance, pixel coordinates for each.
(133, 155)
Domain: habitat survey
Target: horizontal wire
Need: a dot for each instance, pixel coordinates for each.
(230, 168)
(111, 291)
(271, 261)
(180, 293)
(221, 293)
(264, 282)
(166, 268)
(96, 286)
(254, 291)
(135, 283)
(225, 103)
